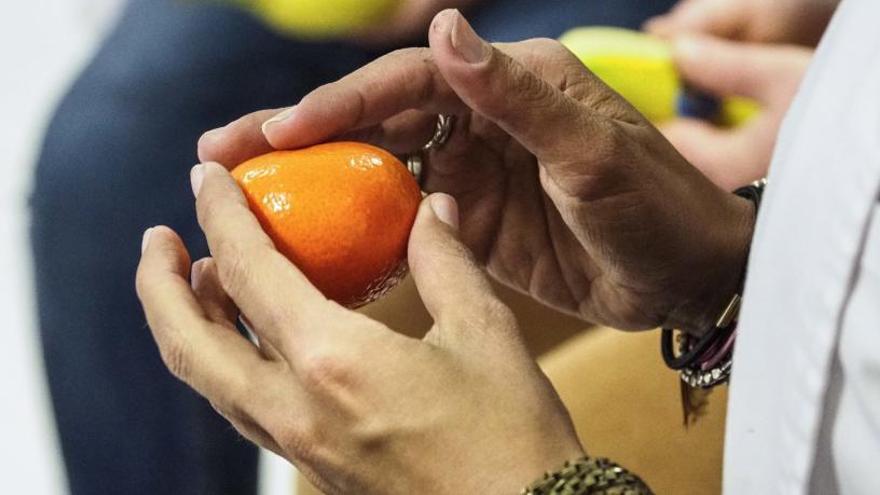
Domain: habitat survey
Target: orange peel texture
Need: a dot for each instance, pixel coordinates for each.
(341, 212)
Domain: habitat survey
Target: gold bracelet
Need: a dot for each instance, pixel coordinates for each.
(587, 476)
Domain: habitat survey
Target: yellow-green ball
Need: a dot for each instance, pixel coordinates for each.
(323, 18)
(640, 68)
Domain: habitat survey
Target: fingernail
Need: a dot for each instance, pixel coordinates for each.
(442, 22)
(196, 176)
(446, 209)
(146, 240)
(465, 41)
(280, 117)
(195, 274)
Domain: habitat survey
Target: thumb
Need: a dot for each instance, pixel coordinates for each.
(453, 287)
(726, 68)
(501, 89)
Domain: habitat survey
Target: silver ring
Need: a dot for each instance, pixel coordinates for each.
(441, 133)
(415, 161)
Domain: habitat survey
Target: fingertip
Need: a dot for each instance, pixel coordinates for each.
(198, 268)
(436, 226)
(196, 177)
(164, 237)
(437, 217)
(212, 170)
(442, 23)
(161, 233)
(208, 147)
(163, 251)
(469, 46)
(274, 129)
(454, 36)
(215, 186)
(445, 208)
(440, 35)
(145, 241)
(436, 211)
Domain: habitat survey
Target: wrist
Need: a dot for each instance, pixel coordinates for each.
(717, 276)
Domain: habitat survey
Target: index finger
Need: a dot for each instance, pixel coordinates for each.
(402, 80)
(219, 364)
(274, 295)
(237, 141)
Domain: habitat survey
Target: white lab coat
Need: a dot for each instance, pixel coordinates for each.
(804, 411)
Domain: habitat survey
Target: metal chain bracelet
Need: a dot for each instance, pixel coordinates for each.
(589, 476)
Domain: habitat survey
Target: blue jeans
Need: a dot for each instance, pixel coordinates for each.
(114, 162)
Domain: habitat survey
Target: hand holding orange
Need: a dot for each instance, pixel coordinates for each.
(341, 212)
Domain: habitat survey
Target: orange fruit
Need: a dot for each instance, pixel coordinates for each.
(341, 212)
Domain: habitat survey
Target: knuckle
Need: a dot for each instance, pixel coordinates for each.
(176, 354)
(484, 315)
(234, 397)
(325, 372)
(208, 208)
(529, 88)
(455, 250)
(498, 314)
(233, 269)
(301, 439)
(607, 149)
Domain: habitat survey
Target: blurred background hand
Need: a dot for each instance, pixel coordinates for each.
(778, 21)
(768, 74)
(744, 48)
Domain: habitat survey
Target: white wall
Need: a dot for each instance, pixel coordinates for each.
(43, 43)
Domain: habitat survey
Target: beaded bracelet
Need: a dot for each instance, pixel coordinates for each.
(588, 476)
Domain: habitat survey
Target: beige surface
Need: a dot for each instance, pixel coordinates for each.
(625, 403)
(626, 406)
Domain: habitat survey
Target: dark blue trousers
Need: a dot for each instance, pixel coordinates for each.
(115, 161)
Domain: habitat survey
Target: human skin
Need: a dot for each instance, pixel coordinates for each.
(750, 48)
(549, 180)
(776, 21)
(767, 74)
